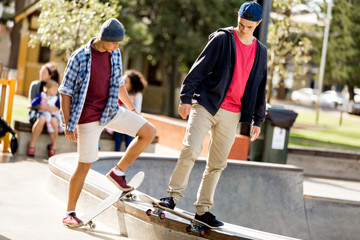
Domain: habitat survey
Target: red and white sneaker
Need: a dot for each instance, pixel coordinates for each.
(72, 221)
(119, 181)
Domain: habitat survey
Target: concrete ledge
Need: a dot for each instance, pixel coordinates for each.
(326, 162)
(23, 130)
(261, 212)
(332, 218)
(171, 132)
(268, 196)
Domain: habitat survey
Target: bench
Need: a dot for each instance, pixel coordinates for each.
(23, 131)
(171, 132)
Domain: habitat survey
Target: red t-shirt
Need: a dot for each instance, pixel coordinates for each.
(245, 57)
(98, 90)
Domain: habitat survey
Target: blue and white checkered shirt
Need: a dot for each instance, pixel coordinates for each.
(76, 81)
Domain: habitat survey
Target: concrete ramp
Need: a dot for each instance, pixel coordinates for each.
(129, 217)
(262, 196)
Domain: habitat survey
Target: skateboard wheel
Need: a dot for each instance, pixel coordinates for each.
(92, 225)
(148, 212)
(188, 228)
(133, 197)
(162, 216)
(202, 232)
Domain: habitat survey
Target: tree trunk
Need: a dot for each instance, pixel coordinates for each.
(15, 37)
(281, 91)
(351, 92)
(170, 73)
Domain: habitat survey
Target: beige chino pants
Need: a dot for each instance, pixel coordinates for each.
(222, 128)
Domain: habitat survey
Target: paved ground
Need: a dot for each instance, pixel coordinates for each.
(28, 211)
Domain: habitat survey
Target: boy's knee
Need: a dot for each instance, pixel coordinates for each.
(147, 131)
(152, 131)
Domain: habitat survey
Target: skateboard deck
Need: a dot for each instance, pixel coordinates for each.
(195, 225)
(135, 182)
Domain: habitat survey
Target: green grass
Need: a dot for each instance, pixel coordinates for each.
(20, 109)
(328, 129)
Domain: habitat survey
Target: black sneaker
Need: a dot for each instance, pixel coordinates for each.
(209, 219)
(167, 202)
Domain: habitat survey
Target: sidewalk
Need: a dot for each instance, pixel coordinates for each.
(28, 211)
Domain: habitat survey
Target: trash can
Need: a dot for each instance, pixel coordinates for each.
(272, 144)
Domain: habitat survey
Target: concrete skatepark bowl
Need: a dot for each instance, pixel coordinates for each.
(260, 200)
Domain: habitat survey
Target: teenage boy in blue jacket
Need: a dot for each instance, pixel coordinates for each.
(226, 84)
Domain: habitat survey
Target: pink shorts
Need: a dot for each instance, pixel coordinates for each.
(125, 121)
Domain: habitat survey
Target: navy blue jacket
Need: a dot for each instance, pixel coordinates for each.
(210, 76)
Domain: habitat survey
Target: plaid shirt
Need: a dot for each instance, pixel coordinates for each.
(76, 81)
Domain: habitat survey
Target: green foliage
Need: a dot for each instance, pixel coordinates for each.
(7, 13)
(343, 52)
(177, 30)
(171, 34)
(66, 25)
(288, 45)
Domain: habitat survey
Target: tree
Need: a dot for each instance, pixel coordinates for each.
(176, 32)
(288, 45)
(7, 16)
(343, 52)
(66, 25)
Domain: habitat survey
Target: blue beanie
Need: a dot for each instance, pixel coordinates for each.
(112, 31)
(251, 11)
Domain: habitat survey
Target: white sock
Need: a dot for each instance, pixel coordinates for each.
(69, 212)
(118, 172)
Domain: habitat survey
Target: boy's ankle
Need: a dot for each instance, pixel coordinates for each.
(200, 213)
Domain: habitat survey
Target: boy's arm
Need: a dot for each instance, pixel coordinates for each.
(125, 99)
(65, 101)
(202, 66)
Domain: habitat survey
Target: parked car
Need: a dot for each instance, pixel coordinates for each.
(308, 96)
(331, 99)
(352, 107)
(304, 96)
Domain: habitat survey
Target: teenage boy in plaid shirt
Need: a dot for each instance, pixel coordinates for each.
(89, 96)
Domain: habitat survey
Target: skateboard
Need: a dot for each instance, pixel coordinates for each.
(110, 200)
(195, 225)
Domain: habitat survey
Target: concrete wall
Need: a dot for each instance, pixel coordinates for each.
(262, 196)
(332, 219)
(127, 217)
(23, 131)
(326, 163)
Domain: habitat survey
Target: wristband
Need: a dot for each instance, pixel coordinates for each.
(133, 110)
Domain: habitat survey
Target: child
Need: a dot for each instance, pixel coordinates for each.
(135, 84)
(49, 97)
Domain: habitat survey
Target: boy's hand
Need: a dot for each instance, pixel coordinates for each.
(255, 131)
(184, 110)
(72, 136)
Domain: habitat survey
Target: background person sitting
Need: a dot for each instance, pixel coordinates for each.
(49, 97)
(47, 72)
